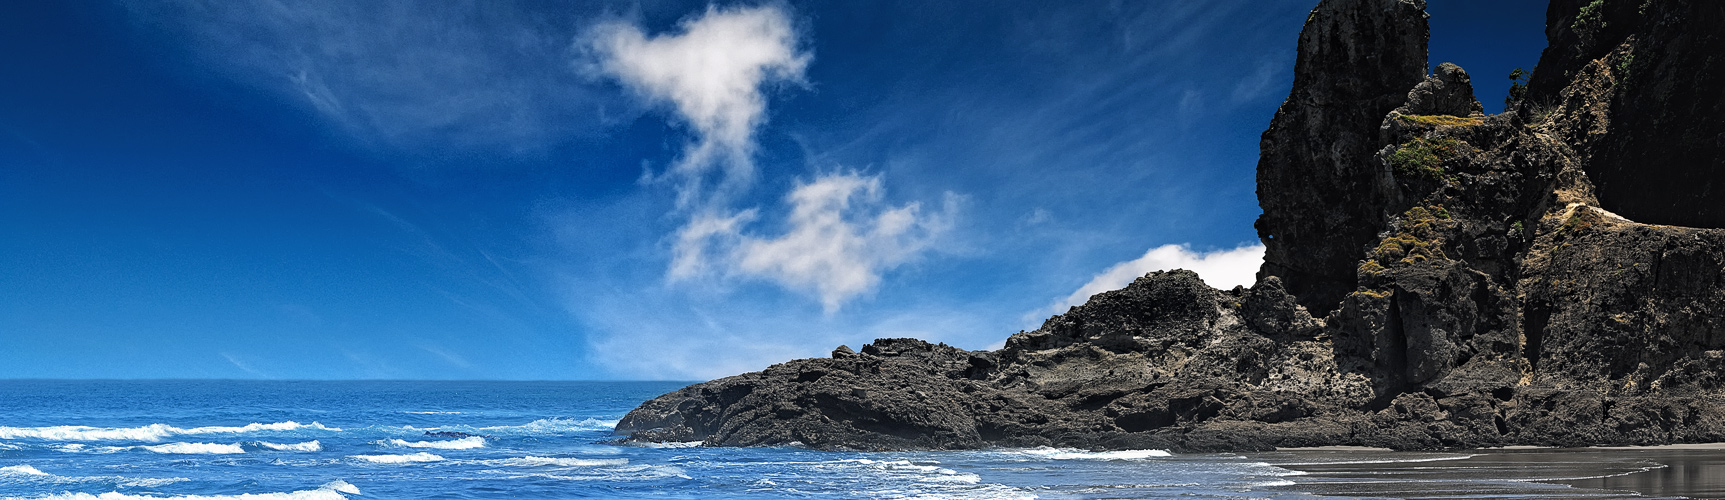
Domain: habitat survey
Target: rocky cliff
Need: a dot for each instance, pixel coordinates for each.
(1435, 277)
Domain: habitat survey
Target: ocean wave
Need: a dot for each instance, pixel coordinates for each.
(152, 432)
(432, 412)
(334, 490)
(552, 426)
(306, 446)
(673, 444)
(623, 473)
(26, 473)
(465, 443)
(1077, 454)
(399, 459)
(195, 448)
(532, 461)
(21, 470)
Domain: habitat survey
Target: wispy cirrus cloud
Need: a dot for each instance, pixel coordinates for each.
(459, 76)
(713, 73)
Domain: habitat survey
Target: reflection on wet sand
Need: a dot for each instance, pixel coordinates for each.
(1691, 471)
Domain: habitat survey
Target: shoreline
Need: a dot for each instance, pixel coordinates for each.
(1687, 470)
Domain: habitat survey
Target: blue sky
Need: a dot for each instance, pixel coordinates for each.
(623, 190)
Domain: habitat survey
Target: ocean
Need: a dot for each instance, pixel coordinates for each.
(262, 440)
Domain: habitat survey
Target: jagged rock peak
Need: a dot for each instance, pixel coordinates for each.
(1317, 182)
(1448, 91)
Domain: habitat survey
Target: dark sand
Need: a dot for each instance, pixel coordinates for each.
(1683, 471)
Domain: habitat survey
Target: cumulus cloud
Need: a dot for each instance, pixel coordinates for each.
(711, 74)
(839, 235)
(1221, 269)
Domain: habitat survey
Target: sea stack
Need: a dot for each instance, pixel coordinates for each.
(1434, 278)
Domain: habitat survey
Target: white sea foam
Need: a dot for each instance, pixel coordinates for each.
(152, 432)
(1076, 454)
(196, 448)
(399, 459)
(21, 470)
(27, 473)
(532, 461)
(334, 490)
(341, 486)
(950, 476)
(674, 444)
(306, 446)
(465, 443)
(553, 426)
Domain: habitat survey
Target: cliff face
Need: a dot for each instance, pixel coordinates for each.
(1435, 278)
(1357, 60)
(1657, 151)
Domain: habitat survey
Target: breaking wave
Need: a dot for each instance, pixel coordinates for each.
(334, 490)
(25, 473)
(152, 432)
(539, 427)
(306, 446)
(531, 461)
(196, 448)
(1077, 454)
(465, 443)
(399, 459)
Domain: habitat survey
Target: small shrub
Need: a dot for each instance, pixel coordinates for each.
(1517, 87)
(1591, 17)
(1423, 158)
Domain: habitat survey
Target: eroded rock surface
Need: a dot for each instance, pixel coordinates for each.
(1436, 278)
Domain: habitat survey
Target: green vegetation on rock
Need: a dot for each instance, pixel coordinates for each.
(1423, 158)
(1590, 18)
(1443, 120)
(1517, 87)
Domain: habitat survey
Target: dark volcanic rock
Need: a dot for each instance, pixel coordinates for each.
(1321, 198)
(1436, 278)
(1657, 146)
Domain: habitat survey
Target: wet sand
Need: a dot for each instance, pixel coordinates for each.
(1681, 471)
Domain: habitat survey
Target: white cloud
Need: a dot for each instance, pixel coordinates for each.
(839, 236)
(711, 73)
(1222, 269)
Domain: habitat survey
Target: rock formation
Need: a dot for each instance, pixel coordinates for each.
(1435, 277)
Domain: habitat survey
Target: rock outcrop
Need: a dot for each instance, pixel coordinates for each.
(1435, 277)
(1357, 61)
